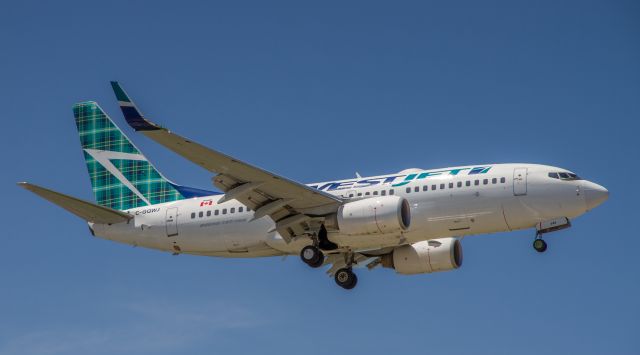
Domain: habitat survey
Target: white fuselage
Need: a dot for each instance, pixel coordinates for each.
(444, 203)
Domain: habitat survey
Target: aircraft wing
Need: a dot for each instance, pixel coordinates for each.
(88, 211)
(292, 205)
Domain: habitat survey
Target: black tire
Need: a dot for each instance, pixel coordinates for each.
(354, 282)
(540, 245)
(346, 279)
(312, 256)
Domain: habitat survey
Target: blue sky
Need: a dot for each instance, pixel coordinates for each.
(315, 92)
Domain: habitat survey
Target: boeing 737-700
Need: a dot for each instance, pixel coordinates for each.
(411, 221)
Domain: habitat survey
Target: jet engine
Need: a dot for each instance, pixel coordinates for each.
(425, 257)
(375, 215)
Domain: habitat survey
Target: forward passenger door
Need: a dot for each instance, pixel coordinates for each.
(519, 181)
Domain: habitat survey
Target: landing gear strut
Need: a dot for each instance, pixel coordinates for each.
(539, 244)
(346, 279)
(312, 256)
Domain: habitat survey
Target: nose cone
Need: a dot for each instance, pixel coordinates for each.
(594, 194)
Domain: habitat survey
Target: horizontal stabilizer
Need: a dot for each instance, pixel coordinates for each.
(86, 210)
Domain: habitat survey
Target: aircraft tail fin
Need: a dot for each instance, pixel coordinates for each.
(121, 176)
(86, 210)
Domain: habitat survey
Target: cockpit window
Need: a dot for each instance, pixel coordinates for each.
(564, 176)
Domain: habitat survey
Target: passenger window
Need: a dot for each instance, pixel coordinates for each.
(477, 182)
(434, 187)
(459, 183)
(216, 212)
(391, 192)
(485, 181)
(367, 193)
(233, 210)
(408, 189)
(239, 209)
(375, 193)
(451, 185)
(193, 215)
(208, 213)
(200, 214)
(441, 186)
(503, 180)
(359, 193)
(494, 181)
(383, 192)
(425, 188)
(416, 189)
(224, 211)
(350, 195)
(468, 183)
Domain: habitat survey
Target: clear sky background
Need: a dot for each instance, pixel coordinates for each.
(315, 92)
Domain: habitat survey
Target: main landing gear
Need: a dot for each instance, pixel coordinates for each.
(346, 279)
(539, 244)
(312, 256)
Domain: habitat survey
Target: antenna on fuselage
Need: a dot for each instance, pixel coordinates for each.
(358, 175)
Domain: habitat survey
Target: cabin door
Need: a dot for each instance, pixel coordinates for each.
(171, 221)
(520, 181)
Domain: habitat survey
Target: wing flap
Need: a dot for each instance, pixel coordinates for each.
(86, 210)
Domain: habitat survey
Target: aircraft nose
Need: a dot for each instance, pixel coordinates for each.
(594, 194)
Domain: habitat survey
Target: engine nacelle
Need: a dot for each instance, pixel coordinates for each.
(375, 215)
(425, 257)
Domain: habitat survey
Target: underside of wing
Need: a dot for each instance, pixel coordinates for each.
(295, 208)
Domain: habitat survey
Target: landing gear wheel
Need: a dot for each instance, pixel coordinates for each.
(312, 256)
(539, 245)
(346, 279)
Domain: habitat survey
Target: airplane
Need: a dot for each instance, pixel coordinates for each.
(411, 221)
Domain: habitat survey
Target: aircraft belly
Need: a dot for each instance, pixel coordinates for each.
(441, 216)
(368, 241)
(460, 214)
(518, 214)
(226, 237)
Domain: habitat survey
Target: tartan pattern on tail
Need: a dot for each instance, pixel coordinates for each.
(121, 177)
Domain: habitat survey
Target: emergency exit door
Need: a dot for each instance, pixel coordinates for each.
(172, 221)
(520, 181)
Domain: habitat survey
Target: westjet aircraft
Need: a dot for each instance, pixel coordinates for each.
(411, 221)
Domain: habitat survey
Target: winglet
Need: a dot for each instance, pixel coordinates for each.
(130, 111)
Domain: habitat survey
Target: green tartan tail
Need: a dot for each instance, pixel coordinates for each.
(121, 177)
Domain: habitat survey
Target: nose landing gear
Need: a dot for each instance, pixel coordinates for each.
(548, 226)
(539, 244)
